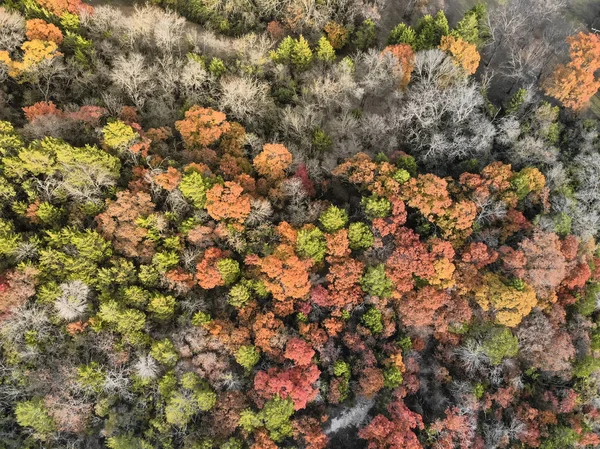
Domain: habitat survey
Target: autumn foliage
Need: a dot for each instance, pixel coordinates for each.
(575, 83)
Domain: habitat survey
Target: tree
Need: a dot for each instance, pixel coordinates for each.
(272, 161)
(202, 127)
(325, 51)
(402, 34)
(405, 56)
(295, 383)
(299, 351)
(510, 304)
(464, 54)
(430, 30)
(575, 83)
(59, 7)
(397, 433)
(34, 414)
(119, 223)
(225, 202)
(44, 31)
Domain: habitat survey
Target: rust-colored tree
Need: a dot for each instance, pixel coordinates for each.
(118, 223)
(202, 127)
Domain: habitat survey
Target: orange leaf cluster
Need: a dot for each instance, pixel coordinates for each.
(207, 274)
(44, 31)
(202, 126)
(272, 161)
(286, 277)
(406, 61)
(575, 83)
(226, 202)
(59, 7)
(463, 53)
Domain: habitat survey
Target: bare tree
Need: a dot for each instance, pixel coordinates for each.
(134, 77)
(12, 29)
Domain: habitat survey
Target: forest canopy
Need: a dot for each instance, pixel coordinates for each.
(295, 224)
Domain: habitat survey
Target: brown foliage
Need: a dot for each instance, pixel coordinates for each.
(118, 223)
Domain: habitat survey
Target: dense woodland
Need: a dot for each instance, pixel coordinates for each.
(273, 224)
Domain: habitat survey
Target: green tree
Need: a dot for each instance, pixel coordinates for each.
(247, 356)
(360, 236)
(34, 414)
(376, 283)
(333, 219)
(500, 343)
(164, 352)
(430, 30)
(311, 243)
(365, 36)
(118, 135)
(402, 34)
(372, 320)
(229, 270)
(325, 51)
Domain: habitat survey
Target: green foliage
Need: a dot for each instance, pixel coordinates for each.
(247, 356)
(392, 377)
(34, 414)
(402, 34)
(430, 30)
(275, 417)
(205, 399)
(239, 295)
(375, 282)
(360, 236)
(325, 51)
(473, 27)
(9, 240)
(229, 270)
(500, 343)
(588, 302)
(341, 369)
(365, 36)
(562, 223)
(179, 409)
(201, 318)
(516, 101)
(333, 219)
(401, 176)
(91, 377)
(162, 306)
(322, 142)
(164, 352)
(293, 51)
(194, 186)
(49, 214)
(311, 244)
(586, 367)
(118, 135)
(373, 320)
(479, 390)
(217, 67)
(376, 207)
(164, 261)
(560, 437)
